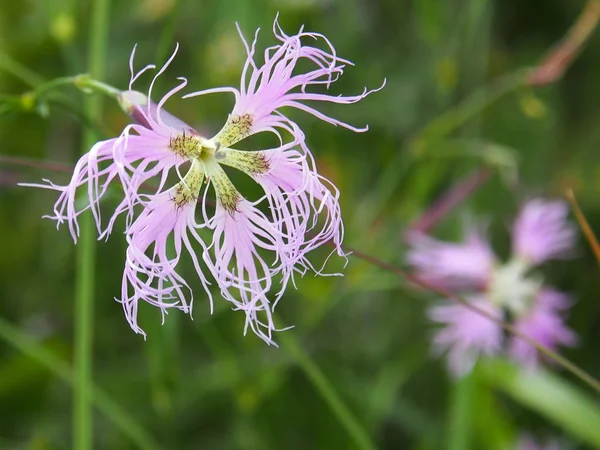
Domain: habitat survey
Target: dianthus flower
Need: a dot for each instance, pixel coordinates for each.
(540, 233)
(527, 442)
(244, 245)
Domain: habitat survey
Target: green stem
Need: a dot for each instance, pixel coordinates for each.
(327, 391)
(82, 426)
(43, 88)
(29, 100)
(460, 419)
(473, 105)
(18, 70)
(88, 84)
(85, 83)
(82, 407)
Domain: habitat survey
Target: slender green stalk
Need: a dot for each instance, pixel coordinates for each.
(473, 105)
(327, 391)
(460, 417)
(18, 70)
(167, 36)
(111, 410)
(82, 407)
(86, 83)
(43, 88)
(43, 94)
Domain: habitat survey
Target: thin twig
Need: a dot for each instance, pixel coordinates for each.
(583, 223)
(28, 162)
(559, 58)
(450, 200)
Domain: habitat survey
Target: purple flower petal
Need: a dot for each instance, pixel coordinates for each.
(453, 265)
(541, 231)
(466, 334)
(544, 323)
(273, 84)
(150, 273)
(527, 442)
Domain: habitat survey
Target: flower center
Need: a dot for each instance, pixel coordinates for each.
(207, 155)
(186, 145)
(511, 288)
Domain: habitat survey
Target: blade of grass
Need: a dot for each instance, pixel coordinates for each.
(112, 410)
(549, 395)
(461, 408)
(492, 423)
(327, 391)
(18, 70)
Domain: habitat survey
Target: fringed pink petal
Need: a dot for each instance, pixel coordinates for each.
(466, 334)
(243, 273)
(273, 84)
(542, 231)
(156, 241)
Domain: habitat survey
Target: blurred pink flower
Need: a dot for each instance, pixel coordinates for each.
(527, 442)
(249, 246)
(466, 334)
(541, 232)
(544, 323)
(467, 264)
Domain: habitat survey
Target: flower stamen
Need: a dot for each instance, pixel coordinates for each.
(252, 163)
(186, 145)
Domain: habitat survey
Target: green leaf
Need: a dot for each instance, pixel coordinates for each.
(551, 396)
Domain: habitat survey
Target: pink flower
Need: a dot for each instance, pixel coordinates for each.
(527, 442)
(466, 334)
(502, 289)
(544, 323)
(541, 231)
(256, 247)
(466, 264)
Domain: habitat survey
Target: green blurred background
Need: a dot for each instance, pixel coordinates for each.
(356, 371)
